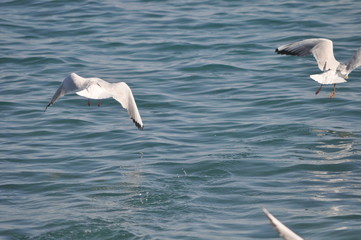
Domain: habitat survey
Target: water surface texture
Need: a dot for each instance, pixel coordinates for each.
(230, 126)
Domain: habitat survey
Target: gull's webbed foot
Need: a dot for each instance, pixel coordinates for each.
(334, 91)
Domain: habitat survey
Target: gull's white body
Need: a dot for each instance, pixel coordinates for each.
(96, 88)
(322, 49)
(284, 231)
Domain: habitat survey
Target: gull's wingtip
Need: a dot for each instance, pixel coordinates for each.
(140, 126)
(282, 51)
(284, 232)
(265, 211)
(47, 106)
(268, 214)
(286, 52)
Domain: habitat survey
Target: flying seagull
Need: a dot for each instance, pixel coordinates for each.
(322, 49)
(96, 88)
(285, 232)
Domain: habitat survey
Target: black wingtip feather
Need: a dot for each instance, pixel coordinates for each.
(140, 127)
(48, 106)
(286, 52)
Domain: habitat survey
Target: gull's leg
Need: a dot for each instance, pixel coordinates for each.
(88, 102)
(334, 91)
(318, 90)
(98, 103)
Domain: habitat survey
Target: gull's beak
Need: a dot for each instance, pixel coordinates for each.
(346, 77)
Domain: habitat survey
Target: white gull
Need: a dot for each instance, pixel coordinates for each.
(322, 49)
(96, 88)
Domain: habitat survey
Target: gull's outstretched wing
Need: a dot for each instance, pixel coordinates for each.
(320, 48)
(355, 61)
(123, 94)
(285, 232)
(71, 83)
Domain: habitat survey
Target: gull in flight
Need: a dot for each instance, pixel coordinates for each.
(285, 232)
(96, 88)
(322, 49)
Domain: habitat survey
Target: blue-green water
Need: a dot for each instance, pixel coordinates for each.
(230, 127)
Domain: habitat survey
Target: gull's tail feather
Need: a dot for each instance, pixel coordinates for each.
(328, 77)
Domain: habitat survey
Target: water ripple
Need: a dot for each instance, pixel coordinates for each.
(230, 126)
